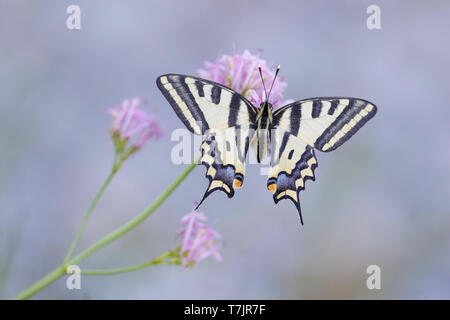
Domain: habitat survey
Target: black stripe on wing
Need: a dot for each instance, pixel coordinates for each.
(224, 156)
(325, 122)
(202, 104)
(349, 121)
(291, 166)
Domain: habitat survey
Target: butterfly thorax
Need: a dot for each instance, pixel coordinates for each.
(263, 122)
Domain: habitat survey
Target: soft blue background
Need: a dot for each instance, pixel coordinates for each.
(382, 198)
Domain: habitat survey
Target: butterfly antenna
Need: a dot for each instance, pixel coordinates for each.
(276, 73)
(260, 73)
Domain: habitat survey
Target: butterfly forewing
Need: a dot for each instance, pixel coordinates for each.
(202, 105)
(324, 123)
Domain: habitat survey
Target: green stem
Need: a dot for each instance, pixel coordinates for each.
(60, 271)
(159, 260)
(88, 215)
(44, 282)
(245, 91)
(133, 223)
(5, 266)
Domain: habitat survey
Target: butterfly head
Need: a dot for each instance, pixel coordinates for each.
(265, 103)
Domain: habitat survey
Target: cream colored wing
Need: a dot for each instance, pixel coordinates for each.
(324, 123)
(204, 105)
(292, 163)
(225, 118)
(224, 153)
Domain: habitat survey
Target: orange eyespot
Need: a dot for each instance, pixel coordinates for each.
(237, 183)
(272, 187)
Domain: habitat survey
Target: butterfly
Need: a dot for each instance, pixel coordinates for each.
(231, 124)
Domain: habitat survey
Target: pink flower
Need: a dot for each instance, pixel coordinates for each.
(199, 240)
(132, 123)
(240, 72)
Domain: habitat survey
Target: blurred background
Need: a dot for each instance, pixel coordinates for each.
(381, 199)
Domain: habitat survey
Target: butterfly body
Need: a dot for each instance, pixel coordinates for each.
(263, 125)
(230, 124)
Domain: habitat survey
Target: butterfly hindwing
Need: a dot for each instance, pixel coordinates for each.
(292, 163)
(203, 105)
(224, 153)
(324, 123)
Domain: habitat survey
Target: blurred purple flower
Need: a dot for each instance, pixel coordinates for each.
(132, 123)
(240, 72)
(199, 240)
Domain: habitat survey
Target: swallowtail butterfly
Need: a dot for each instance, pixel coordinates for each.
(230, 124)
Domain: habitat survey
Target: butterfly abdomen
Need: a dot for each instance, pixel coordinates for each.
(263, 122)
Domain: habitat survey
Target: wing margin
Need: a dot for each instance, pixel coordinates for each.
(324, 122)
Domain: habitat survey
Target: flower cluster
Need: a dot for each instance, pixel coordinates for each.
(131, 129)
(131, 123)
(198, 240)
(240, 72)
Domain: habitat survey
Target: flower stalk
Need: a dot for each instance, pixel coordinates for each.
(169, 257)
(88, 215)
(114, 235)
